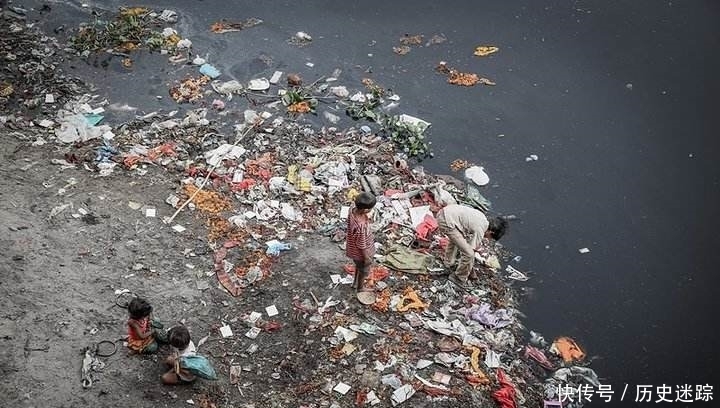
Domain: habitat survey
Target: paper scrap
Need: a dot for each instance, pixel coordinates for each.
(235, 371)
(271, 310)
(348, 348)
(417, 214)
(402, 394)
(342, 388)
(584, 250)
(347, 334)
(344, 212)
(254, 316)
(150, 212)
(275, 78)
(253, 333)
(178, 228)
(372, 399)
(441, 377)
(226, 331)
(422, 364)
(492, 359)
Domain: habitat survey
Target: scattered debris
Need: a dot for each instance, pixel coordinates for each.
(401, 50)
(477, 175)
(300, 39)
(131, 29)
(189, 90)
(456, 77)
(485, 50)
(223, 26)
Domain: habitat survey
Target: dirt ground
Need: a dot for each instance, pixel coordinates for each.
(60, 274)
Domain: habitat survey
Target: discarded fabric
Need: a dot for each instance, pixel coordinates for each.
(494, 319)
(275, 246)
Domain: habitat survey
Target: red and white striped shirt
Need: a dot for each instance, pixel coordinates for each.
(360, 239)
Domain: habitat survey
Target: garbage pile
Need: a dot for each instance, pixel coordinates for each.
(275, 180)
(29, 80)
(263, 183)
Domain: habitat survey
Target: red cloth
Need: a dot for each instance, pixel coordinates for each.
(359, 238)
(505, 396)
(428, 225)
(245, 184)
(444, 241)
(377, 272)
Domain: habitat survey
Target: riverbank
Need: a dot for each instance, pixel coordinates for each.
(109, 219)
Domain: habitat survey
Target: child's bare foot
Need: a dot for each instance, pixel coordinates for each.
(170, 378)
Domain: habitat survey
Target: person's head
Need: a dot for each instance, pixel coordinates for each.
(435, 202)
(497, 228)
(139, 308)
(365, 202)
(179, 337)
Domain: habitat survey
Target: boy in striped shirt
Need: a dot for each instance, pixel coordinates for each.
(360, 245)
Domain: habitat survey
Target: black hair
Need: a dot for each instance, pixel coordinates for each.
(498, 227)
(365, 201)
(139, 308)
(179, 337)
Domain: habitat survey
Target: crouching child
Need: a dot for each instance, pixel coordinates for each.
(185, 364)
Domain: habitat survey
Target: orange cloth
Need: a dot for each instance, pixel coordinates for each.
(567, 349)
(410, 300)
(377, 272)
(135, 342)
(480, 376)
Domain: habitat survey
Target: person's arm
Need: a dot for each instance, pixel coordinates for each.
(408, 194)
(458, 239)
(368, 243)
(416, 192)
(136, 328)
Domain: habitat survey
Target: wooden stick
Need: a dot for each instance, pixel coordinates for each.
(210, 170)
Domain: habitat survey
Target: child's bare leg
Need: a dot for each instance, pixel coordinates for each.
(358, 279)
(170, 378)
(170, 361)
(361, 274)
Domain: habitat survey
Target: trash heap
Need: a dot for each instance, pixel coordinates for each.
(264, 183)
(29, 78)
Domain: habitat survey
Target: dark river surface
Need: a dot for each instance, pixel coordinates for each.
(617, 100)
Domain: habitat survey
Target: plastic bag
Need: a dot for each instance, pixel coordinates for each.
(199, 366)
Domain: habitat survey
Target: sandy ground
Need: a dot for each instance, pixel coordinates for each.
(60, 274)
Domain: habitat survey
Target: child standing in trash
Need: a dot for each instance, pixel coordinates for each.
(179, 338)
(142, 336)
(360, 245)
